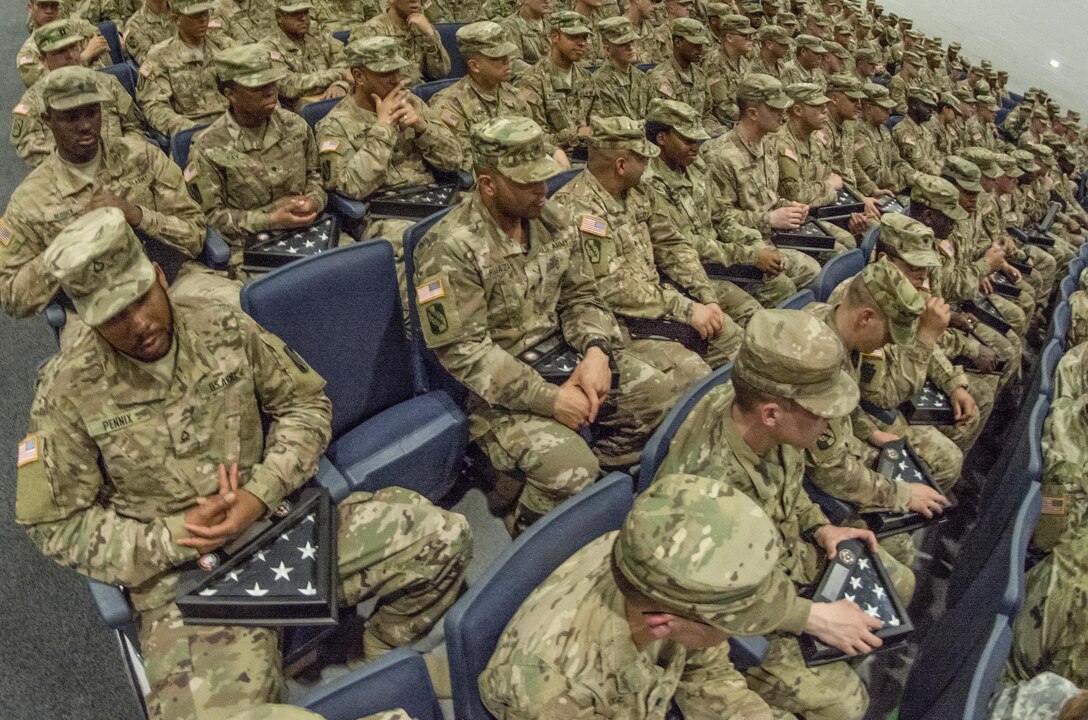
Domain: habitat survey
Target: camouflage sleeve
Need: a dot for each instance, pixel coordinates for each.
(909, 151)
(129, 114)
(531, 89)
(727, 182)
(675, 255)
(29, 66)
(533, 689)
(296, 84)
(355, 173)
(946, 375)
(861, 179)
(902, 172)
(710, 688)
(136, 43)
(583, 315)
(175, 219)
(25, 287)
(436, 61)
(792, 184)
(32, 140)
(897, 89)
(844, 161)
(153, 93)
(1064, 458)
(207, 183)
(1071, 376)
(835, 467)
(959, 279)
(440, 147)
(313, 189)
(448, 106)
(894, 374)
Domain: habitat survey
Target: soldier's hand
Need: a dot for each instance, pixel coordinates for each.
(859, 223)
(594, 377)
(835, 180)
(391, 108)
(985, 286)
(707, 319)
(986, 359)
(292, 212)
(842, 624)
(881, 192)
(334, 91)
(770, 261)
(411, 118)
(829, 536)
(94, 49)
(420, 22)
(963, 321)
(994, 256)
(212, 510)
(788, 218)
(871, 208)
(134, 215)
(571, 406)
(926, 500)
(963, 405)
(1011, 273)
(561, 157)
(934, 320)
(241, 513)
(1072, 226)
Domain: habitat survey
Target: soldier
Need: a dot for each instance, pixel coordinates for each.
(592, 12)
(101, 490)
(559, 91)
(788, 382)
(684, 79)
(382, 136)
(341, 15)
(945, 130)
(679, 178)
(649, 604)
(1043, 265)
(874, 150)
(913, 136)
(837, 59)
(420, 41)
(846, 95)
(314, 60)
(485, 92)
(151, 25)
(86, 172)
(806, 66)
(622, 89)
(774, 44)
(247, 21)
(94, 53)
(255, 169)
(866, 63)
(743, 165)
(1044, 696)
(485, 299)
(528, 30)
(630, 241)
(900, 84)
(641, 15)
(657, 46)
(59, 43)
(732, 61)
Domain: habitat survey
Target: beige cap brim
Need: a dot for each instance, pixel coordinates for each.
(258, 79)
(838, 401)
(921, 259)
(74, 101)
(196, 9)
(498, 51)
(60, 44)
(531, 171)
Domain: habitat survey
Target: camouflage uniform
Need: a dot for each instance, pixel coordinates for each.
(1040, 698)
(793, 72)
(429, 60)
(778, 345)
(530, 37)
(29, 58)
(451, 11)
(146, 28)
(465, 103)
(102, 420)
(842, 137)
(917, 147)
(899, 87)
(247, 21)
(484, 299)
(620, 91)
(692, 85)
(313, 65)
(568, 651)
(728, 71)
(342, 15)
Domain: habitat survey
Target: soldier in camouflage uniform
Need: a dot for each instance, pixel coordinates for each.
(84, 173)
(656, 46)
(842, 130)
(247, 21)
(59, 43)
(679, 178)
(94, 52)
(806, 66)
(313, 59)
(152, 367)
(1043, 265)
(945, 125)
(790, 368)
(901, 83)
(631, 241)
(1043, 697)
(559, 91)
(151, 25)
(504, 271)
(255, 169)
(774, 45)
(641, 616)
(913, 136)
(527, 28)
(683, 78)
(420, 42)
(176, 84)
(874, 150)
(733, 59)
(642, 14)
(622, 89)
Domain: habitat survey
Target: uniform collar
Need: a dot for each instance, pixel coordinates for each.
(495, 235)
(243, 137)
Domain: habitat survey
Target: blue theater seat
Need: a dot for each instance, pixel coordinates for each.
(397, 680)
(125, 75)
(425, 91)
(798, 300)
(108, 28)
(1048, 364)
(448, 33)
(837, 269)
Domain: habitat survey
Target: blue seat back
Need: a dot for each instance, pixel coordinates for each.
(558, 181)
(893, 121)
(999, 118)
(961, 694)
(313, 112)
(836, 270)
(868, 243)
(798, 300)
(475, 623)
(1067, 287)
(425, 91)
(1083, 254)
(1059, 323)
(179, 145)
(108, 28)
(1023, 527)
(1048, 365)
(397, 680)
(986, 680)
(340, 310)
(448, 33)
(1076, 266)
(125, 75)
(657, 447)
(646, 67)
(342, 35)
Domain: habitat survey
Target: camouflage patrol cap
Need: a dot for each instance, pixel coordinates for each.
(939, 194)
(898, 299)
(914, 35)
(913, 58)
(691, 30)
(515, 147)
(1043, 154)
(1039, 112)
(706, 551)
(736, 24)
(617, 30)
(867, 55)
(949, 100)
(810, 42)
(955, 47)
(911, 240)
(792, 354)
(191, 7)
(47, 2)
(100, 264)
(718, 10)
(787, 19)
(774, 33)
(680, 116)
(1072, 117)
(56, 35)
(620, 133)
(1008, 165)
(568, 22)
(484, 38)
(1026, 161)
(963, 95)
(378, 53)
(837, 49)
(924, 95)
(807, 94)
(984, 159)
(292, 6)
(878, 95)
(986, 101)
(248, 65)
(758, 88)
(70, 87)
(848, 85)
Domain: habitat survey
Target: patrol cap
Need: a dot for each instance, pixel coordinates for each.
(568, 22)
(736, 24)
(248, 65)
(484, 38)
(290, 6)
(1039, 112)
(70, 87)
(866, 54)
(949, 100)
(792, 354)
(898, 299)
(691, 30)
(1026, 161)
(848, 85)
(706, 550)
(191, 7)
(986, 101)
(1008, 165)
(47, 2)
(924, 95)
(758, 88)
(913, 58)
(1042, 153)
(378, 53)
(984, 159)
(939, 194)
(810, 42)
(878, 95)
(56, 35)
(616, 30)
(680, 116)
(837, 50)
(100, 264)
(515, 147)
(911, 240)
(620, 133)
(963, 95)
(718, 10)
(807, 94)
(914, 35)
(955, 47)
(774, 33)
(786, 19)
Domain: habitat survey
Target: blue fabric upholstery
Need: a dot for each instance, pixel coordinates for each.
(1059, 323)
(474, 624)
(893, 121)
(342, 35)
(868, 243)
(314, 112)
(179, 145)
(108, 28)
(557, 181)
(340, 310)
(1048, 364)
(215, 253)
(798, 300)
(425, 91)
(124, 74)
(1027, 517)
(836, 270)
(448, 33)
(986, 680)
(1076, 266)
(111, 603)
(1067, 287)
(397, 680)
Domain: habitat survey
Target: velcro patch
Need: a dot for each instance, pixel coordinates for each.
(330, 145)
(789, 153)
(275, 54)
(215, 23)
(593, 225)
(1053, 506)
(450, 118)
(430, 290)
(145, 70)
(28, 451)
(822, 137)
(878, 354)
(529, 96)
(21, 109)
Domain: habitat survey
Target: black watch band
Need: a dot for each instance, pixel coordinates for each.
(601, 345)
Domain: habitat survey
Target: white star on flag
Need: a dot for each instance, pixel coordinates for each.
(308, 590)
(871, 611)
(282, 572)
(850, 597)
(256, 590)
(208, 592)
(309, 551)
(259, 555)
(855, 582)
(894, 622)
(863, 563)
(234, 575)
(879, 592)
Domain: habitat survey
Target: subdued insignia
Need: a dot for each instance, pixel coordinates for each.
(789, 153)
(105, 426)
(868, 372)
(436, 318)
(827, 439)
(666, 89)
(593, 250)
(145, 70)
(296, 359)
(450, 117)
(330, 145)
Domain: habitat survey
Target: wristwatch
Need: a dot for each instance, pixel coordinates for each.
(601, 345)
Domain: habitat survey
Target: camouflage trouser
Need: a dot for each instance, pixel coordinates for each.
(800, 267)
(195, 280)
(983, 389)
(1042, 275)
(772, 290)
(392, 544)
(735, 302)
(1007, 347)
(725, 345)
(1012, 313)
(1065, 248)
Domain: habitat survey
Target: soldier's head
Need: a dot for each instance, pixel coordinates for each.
(72, 110)
(690, 41)
(1011, 172)
(877, 105)
(639, 10)
(1075, 708)
(405, 9)
(965, 176)
(953, 52)
(846, 96)
(935, 202)
(569, 37)
(948, 108)
(698, 576)
(809, 112)
(881, 306)
(375, 64)
(191, 18)
(986, 161)
(59, 44)
(909, 245)
(512, 167)
(789, 380)
(101, 266)
(249, 80)
(677, 130)
(487, 50)
(619, 40)
(836, 58)
(810, 51)
(774, 41)
(678, 8)
(910, 64)
(43, 11)
(865, 61)
(1028, 167)
(736, 32)
(921, 104)
(618, 152)
(293, 17)
(762, 103)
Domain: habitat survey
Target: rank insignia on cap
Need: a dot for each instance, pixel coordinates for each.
(431, 290)
(788, 152)
(331, 145)
(5, 232)
(593, 225)
(28, 451)
(450, 118)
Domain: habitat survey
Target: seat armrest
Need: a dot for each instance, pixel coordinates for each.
(215, 253)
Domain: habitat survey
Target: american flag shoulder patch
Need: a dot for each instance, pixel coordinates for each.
(275, 54)
(878, 353)
(593, 225)
(946, 246)
(430, 290)
(5, 232)
(450, 117)
(1053, 506)
(190, 172)
(21, 109)
(789, 152)
(145, 70)
(822, 137)
(330, 145)
(28, 451)
(666, 89)
(215, 23)
(25, 59)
